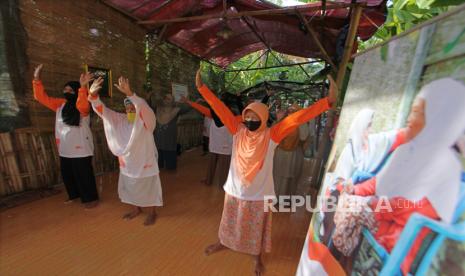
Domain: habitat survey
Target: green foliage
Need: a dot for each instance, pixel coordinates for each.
(234, 82)
(404, 14)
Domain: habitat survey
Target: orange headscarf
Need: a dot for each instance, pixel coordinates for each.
(251, 146)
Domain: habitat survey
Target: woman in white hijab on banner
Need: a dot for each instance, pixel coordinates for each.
(423, 176)
(362, 158)
(424, 172)
(130, 138)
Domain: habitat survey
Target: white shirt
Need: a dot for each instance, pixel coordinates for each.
(220, 140)
(133, 143)
(73, 141)
(261, 186)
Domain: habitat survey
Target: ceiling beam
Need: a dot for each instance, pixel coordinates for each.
(157, 9)
(280, 11)
(140, 5)
(123, 11)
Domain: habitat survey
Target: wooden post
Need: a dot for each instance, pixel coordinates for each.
(322, 147)
(351, 36)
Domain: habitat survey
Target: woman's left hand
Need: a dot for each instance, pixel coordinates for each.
(124, 87)
(96, 86)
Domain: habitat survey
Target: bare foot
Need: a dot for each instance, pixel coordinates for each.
(69, 201)
(150, 219)
(134, 213)
(90, 205)
(213, 248)
(259, 267)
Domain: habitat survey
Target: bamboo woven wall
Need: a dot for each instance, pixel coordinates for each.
(29, 160)
(190, 133)
(65, 35)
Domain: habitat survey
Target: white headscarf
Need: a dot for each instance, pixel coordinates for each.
(121, 135)
(354, 156)
(427, 166)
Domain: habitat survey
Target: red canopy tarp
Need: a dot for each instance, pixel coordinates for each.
(283, 33)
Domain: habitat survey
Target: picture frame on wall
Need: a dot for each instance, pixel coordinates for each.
(106, 90)
(178, 91)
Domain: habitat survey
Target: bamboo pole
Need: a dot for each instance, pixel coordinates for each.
(250, 65)
(314, 36)
(354, 22)
(271, 67)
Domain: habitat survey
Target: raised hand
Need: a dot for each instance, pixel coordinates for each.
(124, 87)
(37, 71)
(85, 79)
(198, 79)
(332, 90)
(96, 86)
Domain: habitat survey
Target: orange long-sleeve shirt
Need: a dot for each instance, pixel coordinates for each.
(200, 108)
(278, 131)
(82, 104)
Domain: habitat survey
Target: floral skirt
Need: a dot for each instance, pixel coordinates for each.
(245, 227)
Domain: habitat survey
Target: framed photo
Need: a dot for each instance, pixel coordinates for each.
(178, 91)
(106, 90)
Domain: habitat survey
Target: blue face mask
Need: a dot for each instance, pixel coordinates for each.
(252, 125)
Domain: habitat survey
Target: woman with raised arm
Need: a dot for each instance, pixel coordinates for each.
(73, 136)
(167, 112)
(245, 225)
(130, 138)
(220, 144)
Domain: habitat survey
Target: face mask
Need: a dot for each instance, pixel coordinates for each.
(131, 117)
(69, 97)
(252, 125)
